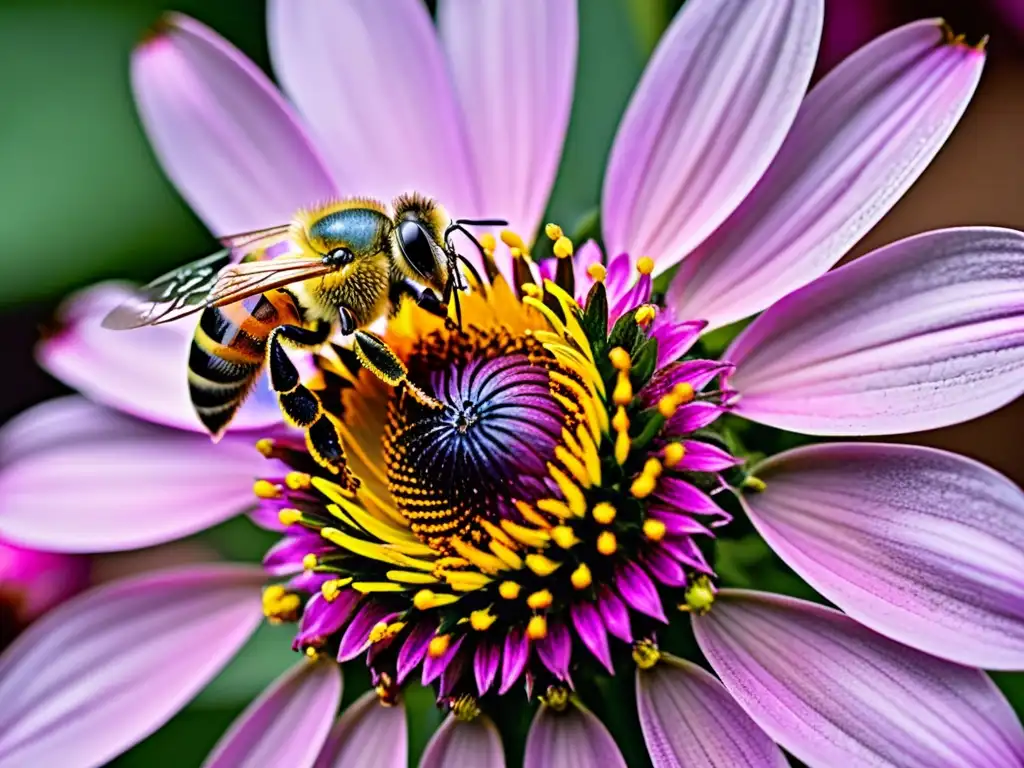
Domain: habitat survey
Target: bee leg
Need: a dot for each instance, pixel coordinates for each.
(425, 299)
(379, 359)
(301, 405)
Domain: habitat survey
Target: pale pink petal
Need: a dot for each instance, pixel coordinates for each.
(513, 63)
(573, 738)
(923, 546)
(222, 132)
(287, 724)
(368, 735)
(458, 743)
(142, 372)
(122, 485)
(711, 111)
(688, 718)
(863, 136)
(924, 333)
(833, 692)
(372, 80)
(103, 671)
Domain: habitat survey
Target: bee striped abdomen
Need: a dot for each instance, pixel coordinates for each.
(227, 356)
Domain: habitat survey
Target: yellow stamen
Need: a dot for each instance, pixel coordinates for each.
(530, 537)
(485, 562)
(379, 631)
(620, 359)
(466, 581)
(312, 653)
(622, 446)
(668, 405)
(604, 513)
(555, 507)
(465, 708)
(331, 590)
(654, 529)
(369, 587)
(280, 605)
(265, 446)
(674, 453)
(607, 544)
(581, 577)
(532, 290)
(506, 555)
(540, 600)
(699, 597)
(289, 516)
(309, 562)
(553, 231)
(264, 489)
(411, 577)
(509, 590)
(570, 491)
(513, 240)
(623, 392)
(297, 481)
(620, 421)
(683, 392)
(488, 242)
(574, 465)
(652, 467)
(645, 315)
(424, 600)
(556, 697)
(645, 265)
(646, 654)
(755, 484)
(597, 272)
(643, 486)
(537, 629)
(482, 619)
(531, 516)
(563, 536)
(438, 646)
(563, 247)
(541, 565)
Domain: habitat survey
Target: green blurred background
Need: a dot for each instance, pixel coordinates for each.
(82, 199)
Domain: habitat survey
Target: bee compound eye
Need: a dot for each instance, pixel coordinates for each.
(416, 248)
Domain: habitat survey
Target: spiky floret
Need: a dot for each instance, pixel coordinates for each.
(556, 502)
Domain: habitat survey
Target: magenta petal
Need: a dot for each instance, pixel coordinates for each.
(516, 654)
(414, 649)
(924, 333)
(285, 557)
(434, 666)
(693, 416)
(863, 136)
(590, 628)
(120, 484)
(104, 670)
(485, 665)
(689, 718)
(555, 650)
(414, 138)
(574, 737)
(223, 133)
(368, 735)
(287, 724)
(833, 692)
(459, 743)
(711, 111)
(513, 63)
(586, 255)
(704, 457)
(639, 591)
(663, 567)
(614, 614)
(321, 619)
(932, 546)
(697, 373)
(140, 372)
(357, 635)
(686, 497)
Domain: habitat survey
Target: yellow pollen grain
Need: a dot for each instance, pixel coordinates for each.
(312, 653)
(309, 562)
(622, 446)
(652, 467)
(264, 489)
(509, 590)
(482, 619)
(645, 265)
(563, 247)
(540, 600)
(643, 486)
(620, 359)
(563, 536)
(674, 453)
(597, 272)
(379, 631)
(668, 405)
(513, 240)
(683, 392)
(604, 513)
(297, 481)
(541, 565)
(265, 446)
(581, 577)
(438, 646)
(553, 231)
(289, 516)
(623, 392)
(654, 529)
(424, 600)
(331, 590)
(645, 315)
(607, 544)
(537, 628)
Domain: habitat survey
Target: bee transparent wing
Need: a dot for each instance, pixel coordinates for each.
(248, 243)
(240, 281)
(171, 296)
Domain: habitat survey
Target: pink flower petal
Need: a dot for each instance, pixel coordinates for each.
(372, 80)
(222, 132)
(592, 632)
(485, 665)
(476, 744)
(835, 693)
(924, 333)
(368, 735)
(863, 136)
(287, 724)
(513, 63)
(123, 485)
(34, 582)
(574, 738)
(711, 111)
(689, 718)
(141, 372)
(931, 551)
(103, 671)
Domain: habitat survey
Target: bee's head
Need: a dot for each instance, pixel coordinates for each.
(418, 240)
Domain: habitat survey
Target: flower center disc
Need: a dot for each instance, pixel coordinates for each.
(455, 469)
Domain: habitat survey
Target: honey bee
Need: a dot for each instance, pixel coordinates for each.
(340, 266)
